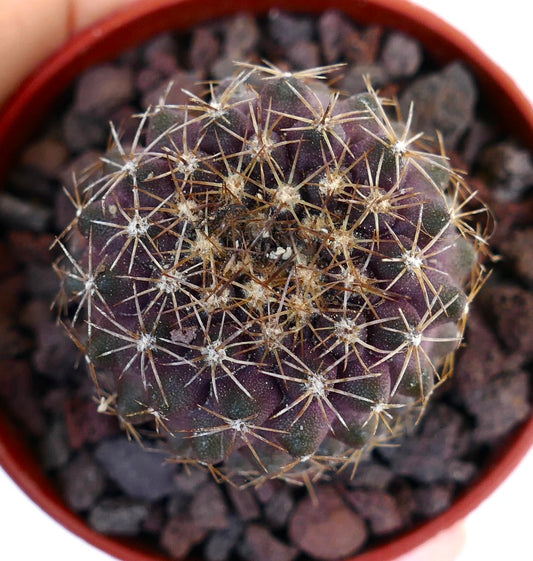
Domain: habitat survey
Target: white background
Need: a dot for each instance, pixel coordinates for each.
(501, 527)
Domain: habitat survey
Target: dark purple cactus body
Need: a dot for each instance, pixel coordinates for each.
(277, 276)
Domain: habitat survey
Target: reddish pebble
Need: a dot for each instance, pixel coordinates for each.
(82, 482)
(104, 88)
(208, 507)
(180, 535)
(173, 90)
(244, 503)
(242, 36)
(519, 248)
(204, 48)
(512, 308)
(118, 516)
(379, 508)
(402, 55)
(46, 155)
(19, 396)
(279, 508)
(14, 342)
(260, 545)
(85, 424)
(31, 247)
(266, 490)
(329, 529)
(333, 27)
(433, 499)
(304, 54)
(190, 481)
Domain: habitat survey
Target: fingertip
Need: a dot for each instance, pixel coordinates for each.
(87, 12)
(30, 32)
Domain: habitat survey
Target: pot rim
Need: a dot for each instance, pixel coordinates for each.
(129, 26)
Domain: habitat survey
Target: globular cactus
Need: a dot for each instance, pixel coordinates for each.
(277, 275)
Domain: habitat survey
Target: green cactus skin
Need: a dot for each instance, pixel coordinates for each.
(276, 275)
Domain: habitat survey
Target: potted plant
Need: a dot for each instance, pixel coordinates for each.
(421, 25)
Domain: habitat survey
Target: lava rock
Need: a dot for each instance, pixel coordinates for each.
(139, 473)
(180, 535)
(329, 529)
(511, 307)
(361, 47)
(18, 394)
(155, 520)
(401, 55)
(267, 489)
(205, 47)
(7, 260)
(118, 516)
(443, 101)
(519, 249)
(164, 44)
(403, 493)
(507, 169)
(287, 29)
(333, 30)
(103, 88)
(425, 456)
(260, 545)
(178, 503)
(84, 423)
(14, 342)
(500, 406)
(82, 482)
(371, 475)
(304, 54)
(32, 248)
(208, 507)
(462, 471)
(241, 36)
(16, 213)
(478, 137)
(354, 79)
(54, 448)
(55, 354)
(481, 360)
(190, 481)
(379, 508)
(41, 282)
(82, 131)
(47, 155)
(173, 89)
(279, 508)
(433, 499)
(219, 544)
(244, 502)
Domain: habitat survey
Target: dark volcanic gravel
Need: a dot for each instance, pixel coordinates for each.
(123, 490)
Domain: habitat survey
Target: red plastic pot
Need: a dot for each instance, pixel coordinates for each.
(27, 108)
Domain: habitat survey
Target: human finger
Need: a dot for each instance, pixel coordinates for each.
(31, 30)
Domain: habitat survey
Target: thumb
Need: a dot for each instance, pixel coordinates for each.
(31, 30)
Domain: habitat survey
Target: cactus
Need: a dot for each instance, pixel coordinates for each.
(275, 276)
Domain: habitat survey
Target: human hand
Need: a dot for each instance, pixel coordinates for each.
(32, 29)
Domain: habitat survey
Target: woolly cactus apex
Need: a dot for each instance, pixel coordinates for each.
(276, 276)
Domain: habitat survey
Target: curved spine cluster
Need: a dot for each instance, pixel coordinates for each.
(276, 275)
